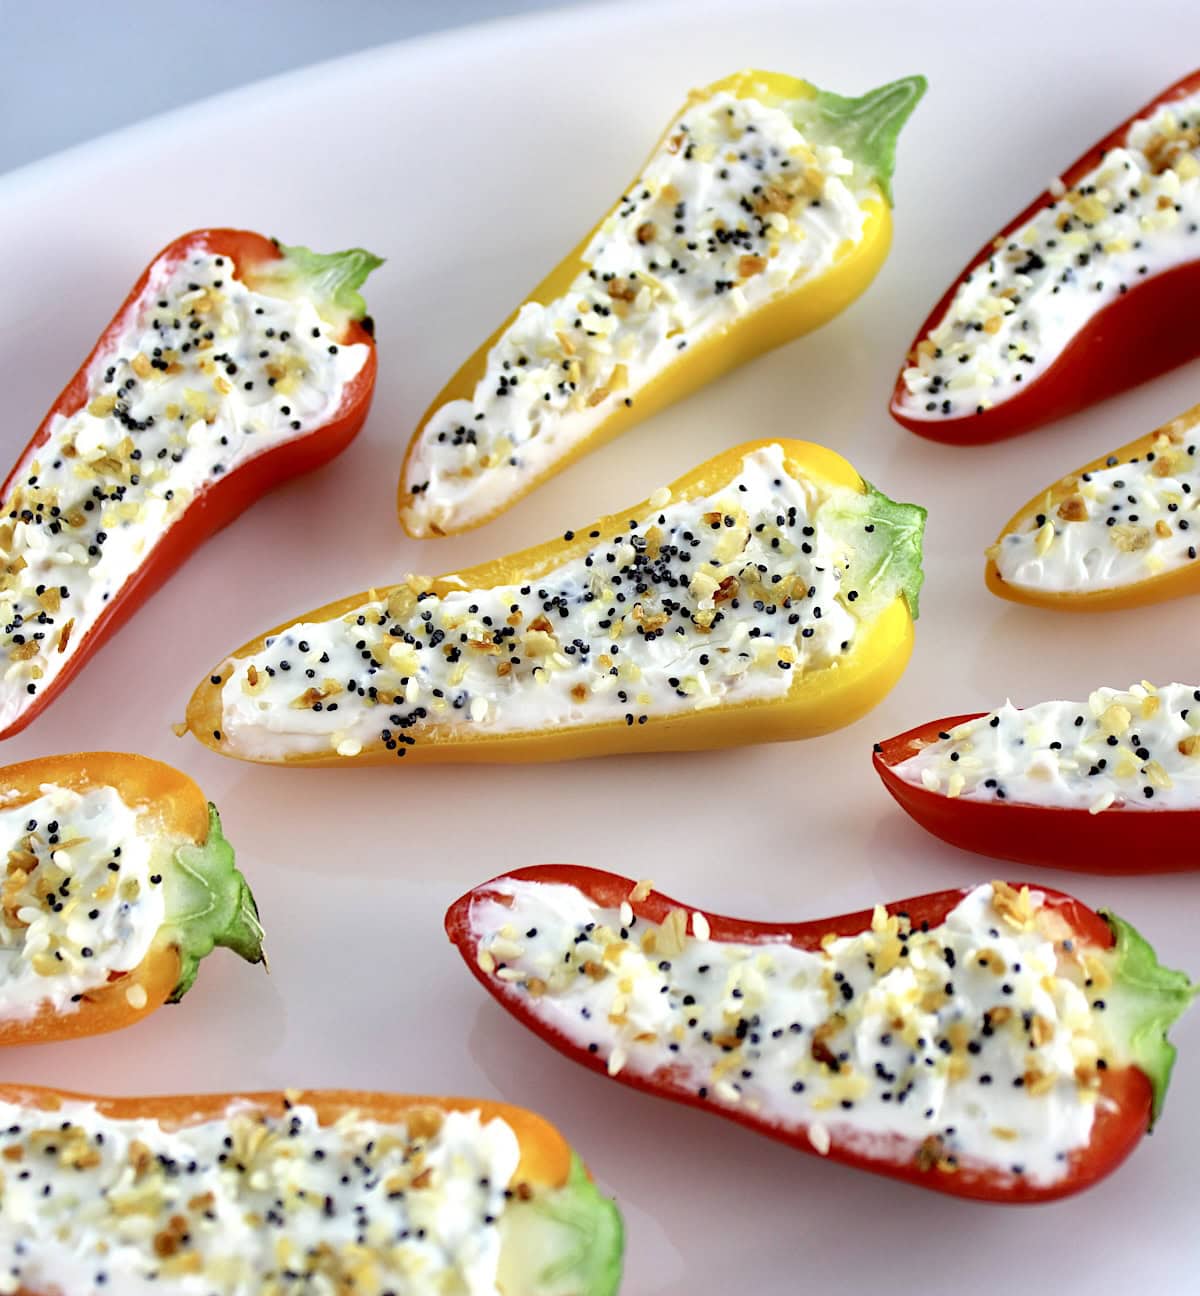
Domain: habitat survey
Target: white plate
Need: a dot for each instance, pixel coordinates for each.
(473, 161)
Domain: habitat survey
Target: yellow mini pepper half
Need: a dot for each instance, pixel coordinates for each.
(767, 595)
(761, 213)
(1120, 532)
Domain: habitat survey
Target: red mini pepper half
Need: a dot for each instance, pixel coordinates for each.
(1123, 839)
(1127, 1093)
(179, 357)
(1142, 331)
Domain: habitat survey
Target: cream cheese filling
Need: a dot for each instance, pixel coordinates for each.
(248, 1204)
(1130, 749)
(82, 896)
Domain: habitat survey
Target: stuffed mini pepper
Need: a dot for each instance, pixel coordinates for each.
(769, 594)
(118, 881)
(999, 1042)
(1122, 531)
(1087, 292)
(1110, 785)
(233, 364)
(762, 212)
(317, 1192)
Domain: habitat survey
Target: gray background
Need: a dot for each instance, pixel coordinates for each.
(72, 69)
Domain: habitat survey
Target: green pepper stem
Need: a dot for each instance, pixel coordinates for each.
(883, 539)
(866, 128)
(208, 903)
(331, 280)
(1151, 999)
(564, 1241)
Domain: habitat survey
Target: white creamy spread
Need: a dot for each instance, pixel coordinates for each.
(1122, 524)
(975, 1039)
(735, 208)
(207, 374)
(720, 599)
(1135, 215)
(1133, 749)
(249, 1205)
(82, 896)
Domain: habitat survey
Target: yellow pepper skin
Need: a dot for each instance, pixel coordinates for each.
(867, 130)
(1154, 589)
(816, 703)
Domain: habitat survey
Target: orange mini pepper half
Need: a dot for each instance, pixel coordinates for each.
(761, 213)
(420, 1193)
(767, 595)
(119, 881)
(1122, 531)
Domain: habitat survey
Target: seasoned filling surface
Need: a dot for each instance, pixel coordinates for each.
(1135, 215)
(82, 897)
(251, 1205)
(1138, 748)
(1124, 523)
(721, 599)
(979, 1040)
(208, 374)
(734, 208)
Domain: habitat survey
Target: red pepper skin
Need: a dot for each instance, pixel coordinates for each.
(1138, 336)
(217, 503)
(1123, 1111)
(1117, 841)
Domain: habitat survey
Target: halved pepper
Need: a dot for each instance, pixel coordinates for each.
(767, 595)
(1085, 293)
(119, 881)
(413, 1193)
(234, 364)
(762, 211)
(1111, 785)
(1120, 532)
(998, 1042)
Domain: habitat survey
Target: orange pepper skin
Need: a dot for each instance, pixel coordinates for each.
(169, 803)
(105, 1010)
(1155, 589)
(799, 310)
(816, 702)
